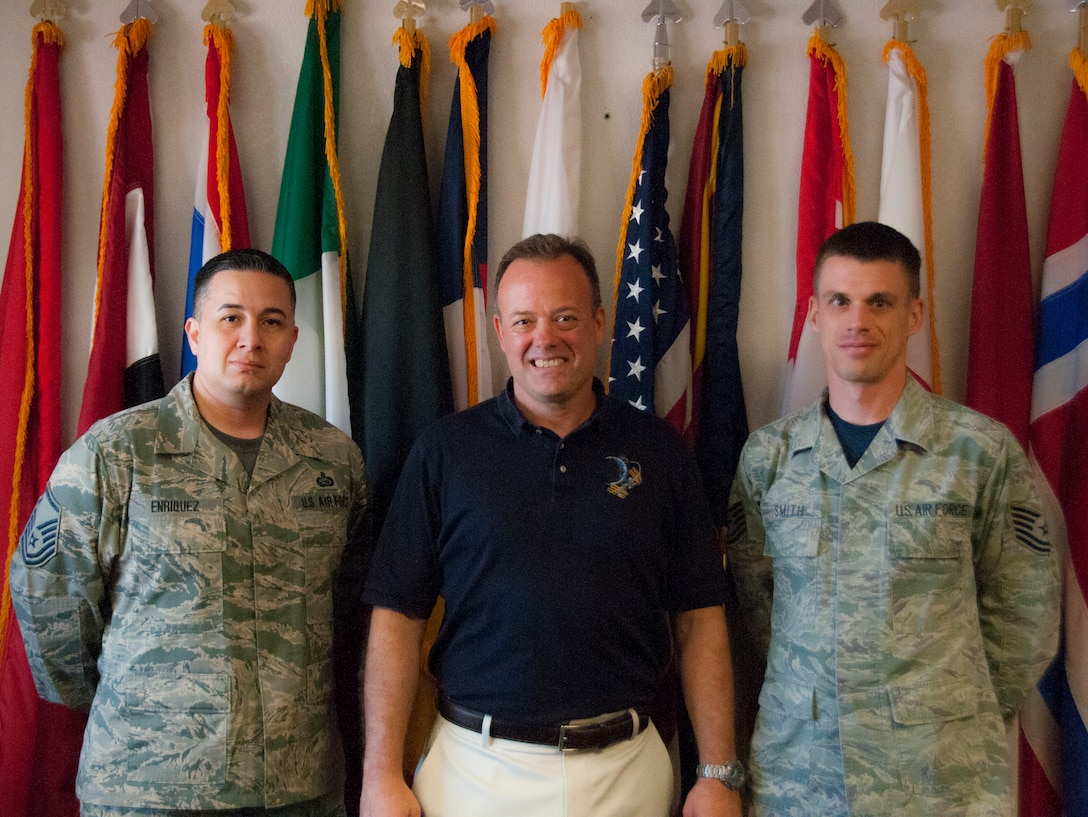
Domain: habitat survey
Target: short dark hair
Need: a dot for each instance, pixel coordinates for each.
(872, 241)
(548, 247)
(239, 260)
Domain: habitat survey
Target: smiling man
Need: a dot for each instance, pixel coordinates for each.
(177, 577)
(891, 555)
(569, 536)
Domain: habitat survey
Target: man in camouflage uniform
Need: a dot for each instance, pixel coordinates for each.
(177, 577)
(891, 556)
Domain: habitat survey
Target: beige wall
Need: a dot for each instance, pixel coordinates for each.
(951, 42)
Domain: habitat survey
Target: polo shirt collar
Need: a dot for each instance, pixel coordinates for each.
(507, 408)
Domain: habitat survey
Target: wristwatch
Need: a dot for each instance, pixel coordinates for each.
(730, 773)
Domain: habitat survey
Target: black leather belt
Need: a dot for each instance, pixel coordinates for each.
(566, 737)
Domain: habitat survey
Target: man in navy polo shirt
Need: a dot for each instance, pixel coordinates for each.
(569, 536)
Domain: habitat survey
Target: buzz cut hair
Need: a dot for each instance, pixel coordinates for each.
(872, 241)
(238, 260)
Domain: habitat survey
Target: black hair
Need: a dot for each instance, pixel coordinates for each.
(872, 241)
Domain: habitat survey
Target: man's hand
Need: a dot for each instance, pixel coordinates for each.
(709, 798)
(388, 798)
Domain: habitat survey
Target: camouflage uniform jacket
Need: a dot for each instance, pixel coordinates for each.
(189, 611)
(906, 605)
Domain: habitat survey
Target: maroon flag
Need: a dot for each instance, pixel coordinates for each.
(124, 368)
(1001, 345)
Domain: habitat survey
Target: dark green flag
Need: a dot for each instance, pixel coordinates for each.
(405, 369)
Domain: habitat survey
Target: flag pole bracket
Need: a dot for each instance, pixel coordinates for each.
(664, 11)
(48, 11)
(1014, 14)
(826, 14)
(408, 11)
(137, 9)
(901, 12)
(732, 15)
(218, 12)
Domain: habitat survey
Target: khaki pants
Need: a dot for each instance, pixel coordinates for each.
(463, 775)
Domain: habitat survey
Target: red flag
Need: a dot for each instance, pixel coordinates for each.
(825, 203)
(220, 219)
(124, 367)
(39, 741)
(1001, 344)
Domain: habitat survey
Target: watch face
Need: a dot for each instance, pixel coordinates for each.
(733, 774)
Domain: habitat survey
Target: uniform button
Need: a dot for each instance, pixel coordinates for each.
(562, 469)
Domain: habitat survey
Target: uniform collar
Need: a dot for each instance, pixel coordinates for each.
(181, 430)
(910, 424)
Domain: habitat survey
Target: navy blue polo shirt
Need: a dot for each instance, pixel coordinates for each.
(560, 560)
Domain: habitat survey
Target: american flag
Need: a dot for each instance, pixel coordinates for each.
(651, 358)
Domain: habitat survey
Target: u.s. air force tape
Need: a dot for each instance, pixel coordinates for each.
(39, 540)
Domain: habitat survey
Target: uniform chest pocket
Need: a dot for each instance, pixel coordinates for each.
(322, 523)
(792, 537)
(794, 544)
(929, 566)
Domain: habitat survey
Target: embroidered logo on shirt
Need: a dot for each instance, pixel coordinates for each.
(39, 540)
(1029, 527)
(630, 476)
(325, 481)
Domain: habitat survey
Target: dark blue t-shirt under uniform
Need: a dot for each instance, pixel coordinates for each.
(560, 560)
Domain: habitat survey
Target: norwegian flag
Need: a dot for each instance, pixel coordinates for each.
(1054, 739)
(651, 347)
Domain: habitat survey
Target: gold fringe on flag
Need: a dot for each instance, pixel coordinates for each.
(918, 74)
(128, 42)
(50, 33)
(46, 32)
(410, 42)
(470, 125)
(729, 58)
(223, 40)
(319, 11)
(726, 59)
(1000, 47)
(553, 38)
(321, 7)
(1079, 63)
(655, 83)
(819, 47)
